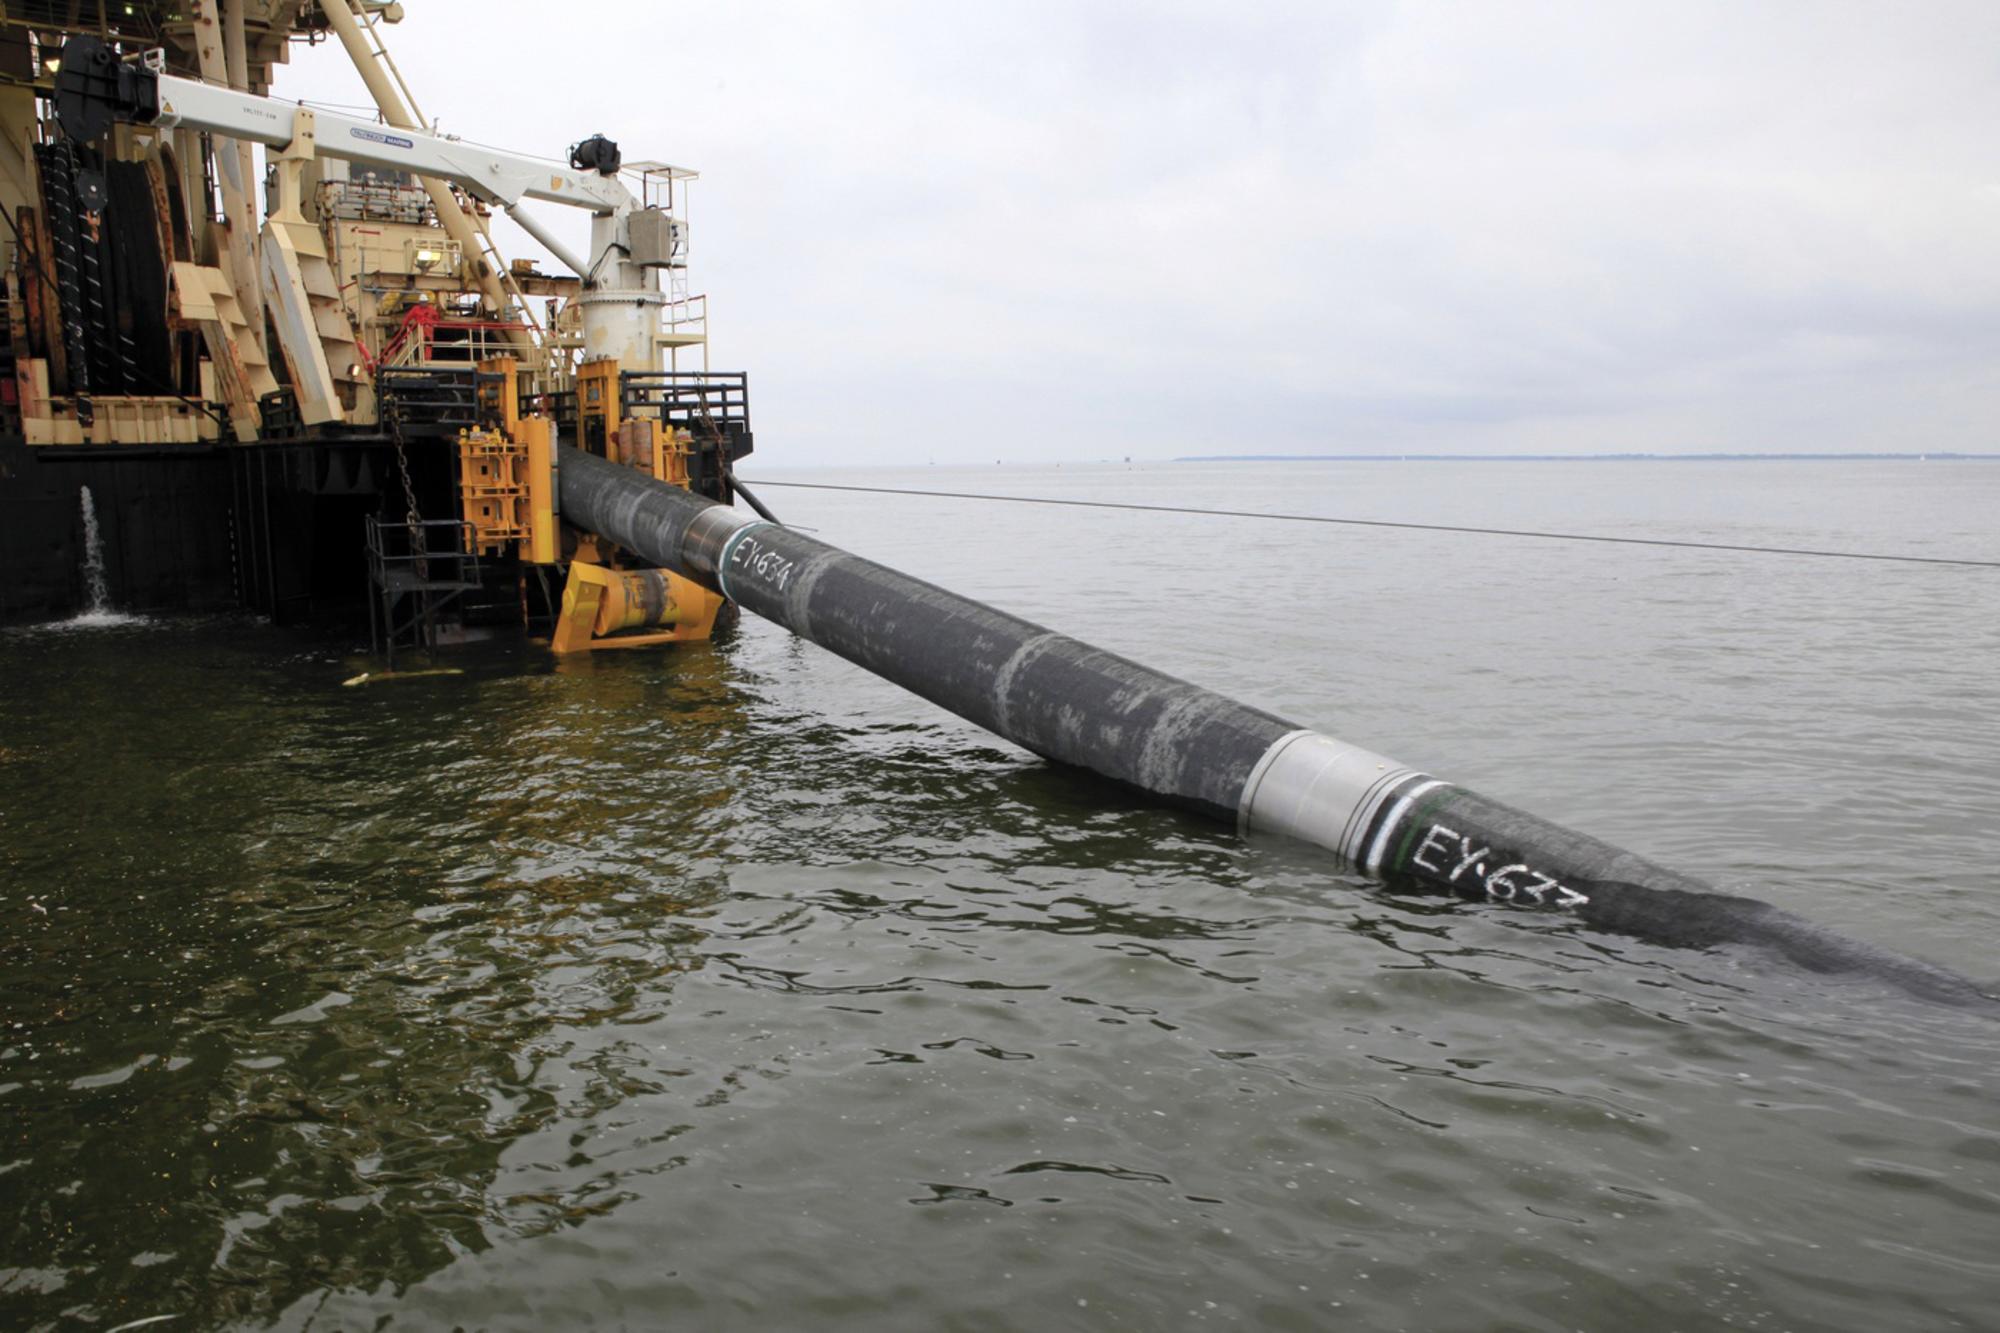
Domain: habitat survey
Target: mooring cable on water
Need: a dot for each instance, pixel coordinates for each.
(1412, 527)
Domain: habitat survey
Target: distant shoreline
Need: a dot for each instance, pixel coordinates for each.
(1942, 457)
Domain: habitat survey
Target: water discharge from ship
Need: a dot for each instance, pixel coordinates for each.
(1079, 705)
(98, 612)
(93, 556)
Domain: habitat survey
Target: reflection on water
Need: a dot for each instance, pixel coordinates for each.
(723, 987)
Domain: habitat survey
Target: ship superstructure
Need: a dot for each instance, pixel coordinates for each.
(291, 387)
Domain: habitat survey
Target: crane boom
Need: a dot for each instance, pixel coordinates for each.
(97, 89)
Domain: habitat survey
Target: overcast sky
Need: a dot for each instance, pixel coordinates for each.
(1033, 231)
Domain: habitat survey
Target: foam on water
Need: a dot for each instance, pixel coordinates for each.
(87, 620)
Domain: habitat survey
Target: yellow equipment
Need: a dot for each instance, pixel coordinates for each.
(506, 483)
(599, 602)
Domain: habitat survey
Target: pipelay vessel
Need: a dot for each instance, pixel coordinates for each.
(283, 394)
(256, 405)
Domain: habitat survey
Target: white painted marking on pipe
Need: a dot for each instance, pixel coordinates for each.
(1472, 854)
(1363, 814)
(1389, 825)
(1500, 887)
(764, 564)
(722, 561)
(1508, 884)
(1432, 843)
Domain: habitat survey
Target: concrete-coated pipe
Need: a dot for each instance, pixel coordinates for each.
(1068, 701)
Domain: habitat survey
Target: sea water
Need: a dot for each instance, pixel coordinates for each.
(727, 986)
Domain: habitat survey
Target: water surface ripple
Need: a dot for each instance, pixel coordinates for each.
(728, 987)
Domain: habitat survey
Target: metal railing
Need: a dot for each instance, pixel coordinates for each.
(435, 399)
(685, 310)
(703, 402)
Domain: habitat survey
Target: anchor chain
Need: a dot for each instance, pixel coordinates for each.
(413, 517)
(419, 547)
(419, 541)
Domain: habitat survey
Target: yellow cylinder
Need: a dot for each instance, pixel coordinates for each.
(635, 599)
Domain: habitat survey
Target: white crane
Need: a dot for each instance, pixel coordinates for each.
(98, 88)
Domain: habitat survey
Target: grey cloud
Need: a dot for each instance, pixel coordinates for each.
(1191, 228)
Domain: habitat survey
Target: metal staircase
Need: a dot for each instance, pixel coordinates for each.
(415, 572)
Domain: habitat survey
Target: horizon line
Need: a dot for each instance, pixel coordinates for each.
(1871, 456)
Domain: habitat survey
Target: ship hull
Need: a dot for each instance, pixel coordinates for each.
(164, 524)
(274, 529)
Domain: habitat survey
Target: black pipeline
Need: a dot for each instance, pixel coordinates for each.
(1068, 701)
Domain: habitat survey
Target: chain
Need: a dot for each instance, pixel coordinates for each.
(418, 546)
(419, 543)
